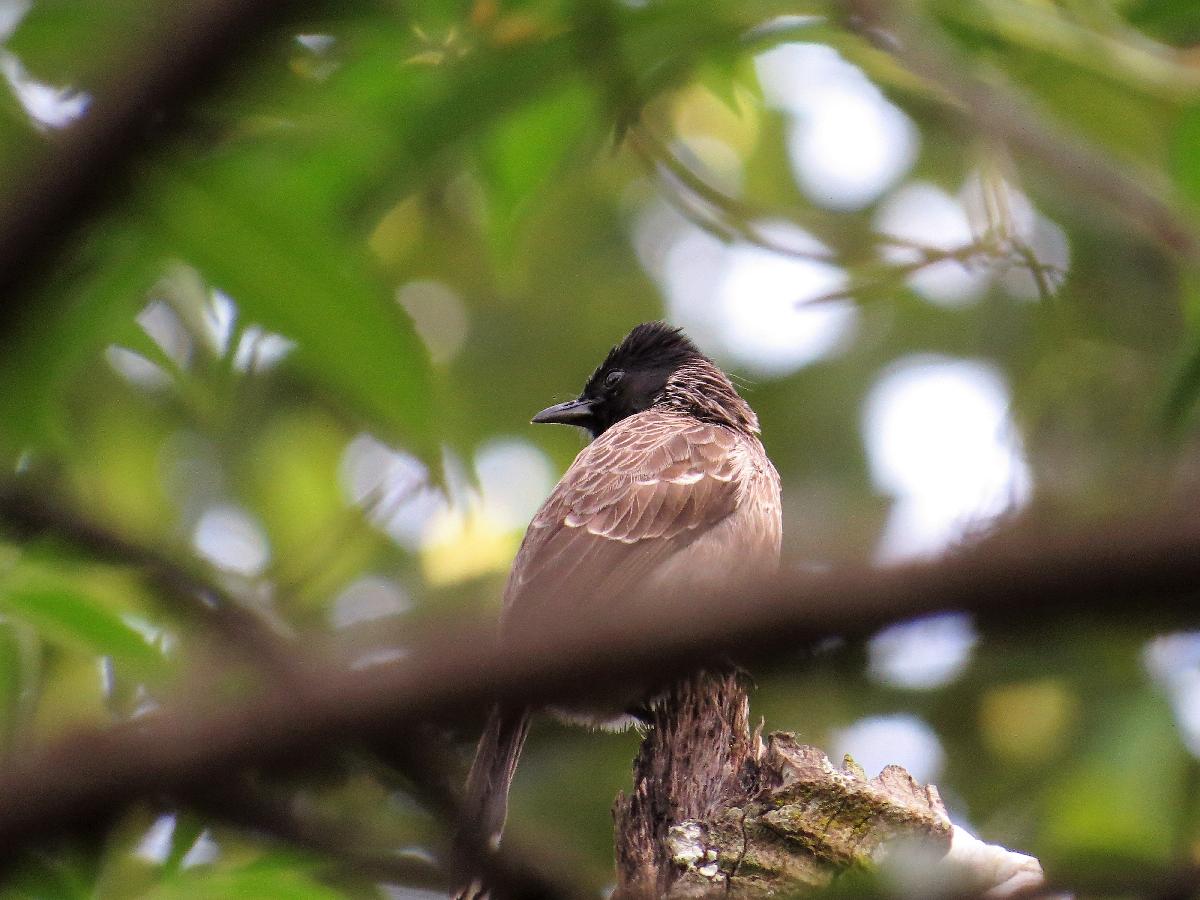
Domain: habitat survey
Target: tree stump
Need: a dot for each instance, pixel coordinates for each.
(697, 757)
(716, 810)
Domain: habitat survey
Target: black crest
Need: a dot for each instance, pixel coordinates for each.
(655, 365)
(650, 346)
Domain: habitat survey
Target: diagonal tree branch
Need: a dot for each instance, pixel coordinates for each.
(423, 760)
(135, 104)
(1010, 582)
(28, 514)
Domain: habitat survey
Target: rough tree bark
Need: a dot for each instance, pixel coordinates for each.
(697, 756)
(715, 809)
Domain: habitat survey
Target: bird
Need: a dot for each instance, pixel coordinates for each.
(673, 492)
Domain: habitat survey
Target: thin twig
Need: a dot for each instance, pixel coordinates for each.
(735, 217)
(728, 218)
(1002, 112)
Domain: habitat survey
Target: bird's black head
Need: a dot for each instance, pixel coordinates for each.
(638, 373)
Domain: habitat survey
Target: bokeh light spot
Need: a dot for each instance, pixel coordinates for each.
(769, 329)
(136, 369)
(940, 440)
(514, 478)
(368, 599)
(48, 106)
(903, 740)
(232, 540)
(846, 141)
(1173, 660)
(439, 316)
(392, 486)
(1028, 722)
(925, 653)
(747, 304)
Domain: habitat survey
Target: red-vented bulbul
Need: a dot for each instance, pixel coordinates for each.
(674, 490)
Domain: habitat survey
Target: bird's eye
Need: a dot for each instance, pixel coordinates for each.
(613, 378)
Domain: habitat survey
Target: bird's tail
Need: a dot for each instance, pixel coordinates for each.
(485, 800)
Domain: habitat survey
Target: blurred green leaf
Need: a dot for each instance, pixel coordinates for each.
(1174, 21)
(523, 155)
(144, 847)
(1185, 154)
(188, 830)
(1183, 390)
(80, 612)
(50, 35)
(1116, 799)
(20, 677)
(277, 874)
(65, 874)
(293, 279)
(106, 285)
(727, 77)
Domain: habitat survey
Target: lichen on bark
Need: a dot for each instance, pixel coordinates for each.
(716, 809)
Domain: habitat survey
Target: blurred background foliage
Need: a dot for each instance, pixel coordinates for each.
(299, 351)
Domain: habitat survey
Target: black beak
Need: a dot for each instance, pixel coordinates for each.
(573, 412)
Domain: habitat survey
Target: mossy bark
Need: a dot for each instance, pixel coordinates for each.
(716, 810)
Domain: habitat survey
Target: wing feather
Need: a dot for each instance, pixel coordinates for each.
(633, 499)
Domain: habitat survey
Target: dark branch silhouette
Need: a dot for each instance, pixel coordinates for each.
(27, 514)
(137, 102)
(1123, 570)
(513, 873)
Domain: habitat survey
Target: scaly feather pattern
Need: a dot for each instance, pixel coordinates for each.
(635, 499)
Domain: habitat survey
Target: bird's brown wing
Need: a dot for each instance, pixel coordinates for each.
(643, 491)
